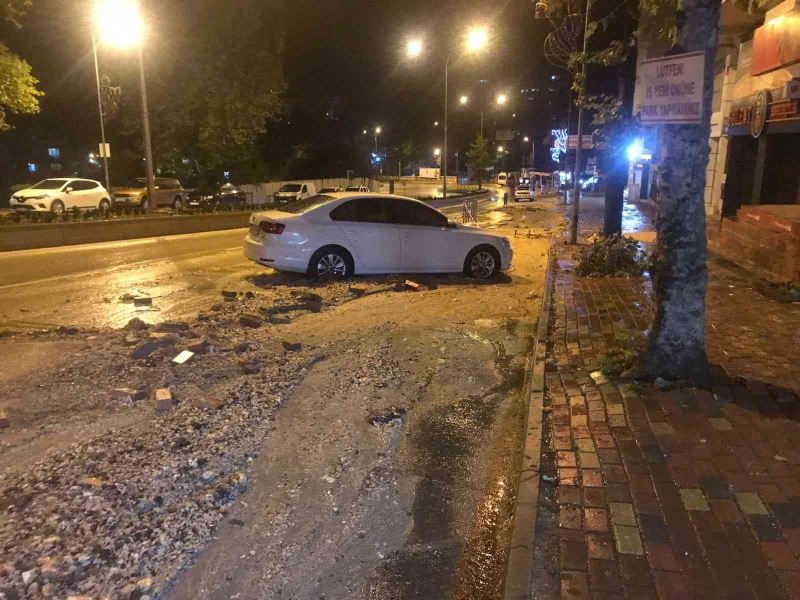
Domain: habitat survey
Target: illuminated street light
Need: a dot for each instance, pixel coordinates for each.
(526, 139)
(437, 151)
(414, 48)
(378, 130)
(464, 99)
(119, 24)
(500, 149)
(502, 99)
(477, 38)
(436, 123)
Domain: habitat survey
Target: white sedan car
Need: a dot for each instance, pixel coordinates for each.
(350, 233)
(57, 195)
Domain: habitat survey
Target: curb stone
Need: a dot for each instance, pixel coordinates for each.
(521, 553)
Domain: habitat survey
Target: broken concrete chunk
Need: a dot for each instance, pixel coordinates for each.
(250, 367)
(143, 301)
(228, 295)
(279, 320)
(124, 395)
(163, 399)
(173, 327)
(183, 357)
(243, 347)
(291, 347)
(357, 292)
(249, 320)
(135, 324)
(4, 422)
(217, 307)
(67, 330)
(201, 347)
(412, 285)
(145, 349)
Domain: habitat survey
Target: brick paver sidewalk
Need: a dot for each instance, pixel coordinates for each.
(682, 493)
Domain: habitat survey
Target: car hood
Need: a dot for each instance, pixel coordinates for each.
(30, 193)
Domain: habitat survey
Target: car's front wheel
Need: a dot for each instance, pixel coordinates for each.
(104, 207)
(482, 262)
(331, 262)
(57, 207)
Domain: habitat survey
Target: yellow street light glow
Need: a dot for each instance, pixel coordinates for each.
(477, 38)
(414, 47)
(464, 99)
(364, 132)
(437, 151)
(378, 130)
(502, 99)
(526, 139)
(499, 148)
(119, 22)
(436, 123)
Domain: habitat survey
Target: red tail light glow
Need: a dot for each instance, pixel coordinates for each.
(271, 227)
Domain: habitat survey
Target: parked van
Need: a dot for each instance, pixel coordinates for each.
(502, 178)
(290, 192)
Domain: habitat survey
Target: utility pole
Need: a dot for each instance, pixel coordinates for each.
(148, 148)
(100, 108)
(576, 185)
(444, 157)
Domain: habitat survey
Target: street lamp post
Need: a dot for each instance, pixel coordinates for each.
(377, 132)
(576, 185)
(100, 108)
(119, 22)
(476, 40)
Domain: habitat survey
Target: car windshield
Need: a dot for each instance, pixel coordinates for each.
(306, 204)
(49, 184)
(290, 187)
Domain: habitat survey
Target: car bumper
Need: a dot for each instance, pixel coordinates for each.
(127, 201)
(29, 206)
(281, 257)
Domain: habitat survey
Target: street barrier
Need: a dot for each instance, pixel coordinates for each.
(49, 235)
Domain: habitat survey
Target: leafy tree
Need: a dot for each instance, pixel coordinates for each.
(479, 158)
(18, 91)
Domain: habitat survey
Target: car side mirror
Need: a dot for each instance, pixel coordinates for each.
(68, 190)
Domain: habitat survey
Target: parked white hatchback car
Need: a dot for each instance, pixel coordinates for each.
(58, 195)
(359, 233)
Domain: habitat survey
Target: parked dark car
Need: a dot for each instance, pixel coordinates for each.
(225, 195)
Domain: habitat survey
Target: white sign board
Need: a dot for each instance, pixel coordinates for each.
(670, 89)
(429, 173)
(587, 142)
(105, 150)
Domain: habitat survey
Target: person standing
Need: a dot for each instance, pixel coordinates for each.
(511, 184)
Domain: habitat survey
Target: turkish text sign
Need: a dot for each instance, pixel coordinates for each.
(670, 89)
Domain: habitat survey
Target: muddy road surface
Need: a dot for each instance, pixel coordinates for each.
(341, 440)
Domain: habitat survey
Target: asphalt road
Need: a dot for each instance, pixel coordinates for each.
(85, 286)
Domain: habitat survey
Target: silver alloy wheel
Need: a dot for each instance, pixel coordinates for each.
(57, 207)
(104, 206)
(331, 264)
(482, 264)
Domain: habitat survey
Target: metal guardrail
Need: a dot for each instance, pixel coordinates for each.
(469, 210)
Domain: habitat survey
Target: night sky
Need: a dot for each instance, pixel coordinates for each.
(344, 62)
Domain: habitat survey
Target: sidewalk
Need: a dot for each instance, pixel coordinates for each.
(670, 494)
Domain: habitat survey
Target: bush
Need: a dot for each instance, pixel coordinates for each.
(614, 256)
(621, 354)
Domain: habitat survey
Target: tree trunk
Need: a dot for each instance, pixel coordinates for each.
(617, 170)
(676, 345)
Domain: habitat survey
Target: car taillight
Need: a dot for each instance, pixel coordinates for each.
(270, 227)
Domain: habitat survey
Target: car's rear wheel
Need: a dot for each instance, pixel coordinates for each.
(57, 207)
(482, 262)
(331, 262)
(104, 206)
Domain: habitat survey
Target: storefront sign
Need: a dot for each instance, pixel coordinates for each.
(760, 108)
(776, 44)
(785, 110)
(670, 89)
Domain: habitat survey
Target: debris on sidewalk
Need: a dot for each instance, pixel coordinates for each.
(229, 295)
(163, 399)
(4, 422)
(143, 301)
(184, 356)
(127, 396)
(291, 346)
(412, 285)
(250, 320)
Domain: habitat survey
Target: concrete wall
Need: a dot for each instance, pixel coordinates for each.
(48, 235)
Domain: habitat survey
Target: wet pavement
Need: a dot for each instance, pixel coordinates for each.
(389, 472)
